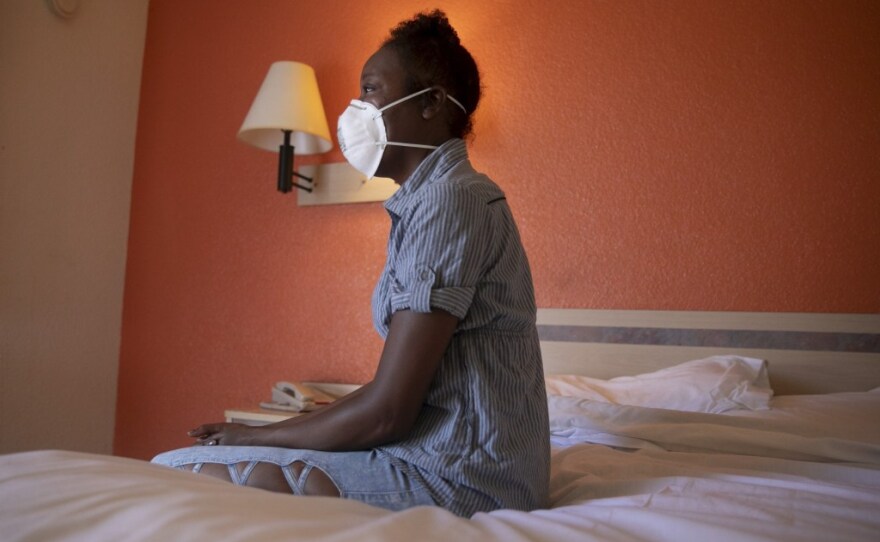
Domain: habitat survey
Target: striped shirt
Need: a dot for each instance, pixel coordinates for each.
(481, 440)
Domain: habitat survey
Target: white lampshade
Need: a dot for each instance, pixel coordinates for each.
(288, 100)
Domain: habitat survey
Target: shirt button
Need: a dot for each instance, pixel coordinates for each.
(425, 275)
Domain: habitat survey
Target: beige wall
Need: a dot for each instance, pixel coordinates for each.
(68, 110)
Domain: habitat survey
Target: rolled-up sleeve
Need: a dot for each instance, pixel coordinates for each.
(442, 252)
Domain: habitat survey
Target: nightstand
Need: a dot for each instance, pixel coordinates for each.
(257, 416)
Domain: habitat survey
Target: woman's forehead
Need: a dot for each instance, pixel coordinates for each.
(384, 63)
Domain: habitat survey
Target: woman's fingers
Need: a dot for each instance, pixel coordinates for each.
(212, 434)
(197, 432)
(203, 431)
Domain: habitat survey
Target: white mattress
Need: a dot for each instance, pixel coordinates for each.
(678, 476)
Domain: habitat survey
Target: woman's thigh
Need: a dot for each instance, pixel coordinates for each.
(363, 476)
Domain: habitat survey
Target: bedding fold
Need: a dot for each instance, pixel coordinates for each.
(574, 420)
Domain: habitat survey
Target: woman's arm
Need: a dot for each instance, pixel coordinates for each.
(380, 412)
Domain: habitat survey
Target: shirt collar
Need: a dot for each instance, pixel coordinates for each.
(434, 166)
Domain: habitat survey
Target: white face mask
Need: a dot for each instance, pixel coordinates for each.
(361, 133)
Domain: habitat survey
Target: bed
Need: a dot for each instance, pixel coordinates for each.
(665, 426)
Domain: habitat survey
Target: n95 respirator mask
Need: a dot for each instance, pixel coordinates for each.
(362, 137)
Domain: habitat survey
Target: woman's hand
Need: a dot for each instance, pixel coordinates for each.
(223, 434)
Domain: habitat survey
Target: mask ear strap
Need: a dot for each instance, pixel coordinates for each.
(416, 145)
(414, 94)
(458, 103)
(453, 100)
(405, 98)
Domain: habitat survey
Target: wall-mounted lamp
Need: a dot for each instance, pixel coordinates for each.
(287, 115)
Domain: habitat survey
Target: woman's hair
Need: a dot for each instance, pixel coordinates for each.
(432, 54)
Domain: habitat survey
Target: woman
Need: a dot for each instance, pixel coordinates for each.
(456, 415)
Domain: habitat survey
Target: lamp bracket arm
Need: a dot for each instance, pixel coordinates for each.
(301, 176)
(302, 187)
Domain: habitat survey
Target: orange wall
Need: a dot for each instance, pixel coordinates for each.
(658, 155)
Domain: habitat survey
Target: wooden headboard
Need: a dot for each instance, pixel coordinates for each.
(807, 352)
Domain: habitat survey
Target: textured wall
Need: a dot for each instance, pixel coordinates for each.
(676, 155)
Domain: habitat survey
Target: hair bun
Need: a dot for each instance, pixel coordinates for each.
(427, 25)
(432, 54)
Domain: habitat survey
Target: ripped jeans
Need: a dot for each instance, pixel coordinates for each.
(364, 476)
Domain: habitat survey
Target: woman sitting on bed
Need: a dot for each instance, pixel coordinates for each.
(456, 415)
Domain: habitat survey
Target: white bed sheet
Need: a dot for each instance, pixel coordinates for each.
(778, 432)
(692, 491)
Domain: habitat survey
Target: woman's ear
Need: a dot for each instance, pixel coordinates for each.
(432, 102)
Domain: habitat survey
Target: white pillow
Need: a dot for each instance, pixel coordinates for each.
(714, 384)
